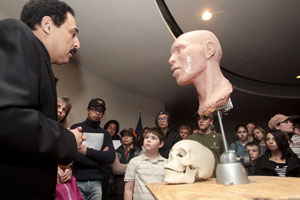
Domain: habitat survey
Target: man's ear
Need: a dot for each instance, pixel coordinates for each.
(210, 49)
(46, 24)
(161, 144)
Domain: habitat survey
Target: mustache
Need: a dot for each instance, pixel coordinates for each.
(73, 51)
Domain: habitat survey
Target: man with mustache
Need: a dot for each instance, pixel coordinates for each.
(32, 142)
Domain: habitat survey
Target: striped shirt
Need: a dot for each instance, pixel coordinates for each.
(141, 170)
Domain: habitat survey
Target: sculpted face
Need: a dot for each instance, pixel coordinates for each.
(187, 59)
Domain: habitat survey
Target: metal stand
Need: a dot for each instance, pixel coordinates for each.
(222, 130)
(229, 171)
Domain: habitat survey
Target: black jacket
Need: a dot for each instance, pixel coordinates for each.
(32, 142)
(171, 138)
(90, 166)
(264, 167)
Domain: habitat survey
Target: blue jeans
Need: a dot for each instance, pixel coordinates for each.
(90, 190)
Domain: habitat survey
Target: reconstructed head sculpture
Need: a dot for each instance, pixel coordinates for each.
(195, 58)
(188, 161)
(190, 54)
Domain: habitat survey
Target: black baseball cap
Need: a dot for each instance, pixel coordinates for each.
(97, 102)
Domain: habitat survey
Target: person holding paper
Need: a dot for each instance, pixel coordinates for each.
(96, 152)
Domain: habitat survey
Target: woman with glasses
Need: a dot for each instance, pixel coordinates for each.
(163, 122)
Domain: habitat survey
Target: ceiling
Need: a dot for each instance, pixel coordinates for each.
(128, 44)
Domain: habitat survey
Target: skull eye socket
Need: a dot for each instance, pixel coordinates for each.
(181, 153)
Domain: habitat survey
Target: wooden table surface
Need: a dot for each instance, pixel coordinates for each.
(259, 188)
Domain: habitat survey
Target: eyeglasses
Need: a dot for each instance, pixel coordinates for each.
(285, 121)
(162, 119)
(100, 110)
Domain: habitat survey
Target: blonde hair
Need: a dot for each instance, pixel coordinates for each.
(185, 127)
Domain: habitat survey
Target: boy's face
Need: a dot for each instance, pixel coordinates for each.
(184, 133)
(152, 142)
(253, 152)
(204, 123)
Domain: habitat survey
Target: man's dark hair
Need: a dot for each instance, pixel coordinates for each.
(34, 11)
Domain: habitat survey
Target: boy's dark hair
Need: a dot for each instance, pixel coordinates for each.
(251, 144)
(156, 131)
(34, 11)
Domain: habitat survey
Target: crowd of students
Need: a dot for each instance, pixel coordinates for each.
(140, 159)
(274, 152)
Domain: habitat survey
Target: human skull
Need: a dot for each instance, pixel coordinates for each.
(188, 161)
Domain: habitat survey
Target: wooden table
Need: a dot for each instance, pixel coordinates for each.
(259, 188)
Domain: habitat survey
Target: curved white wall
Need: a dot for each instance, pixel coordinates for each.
(82, 85)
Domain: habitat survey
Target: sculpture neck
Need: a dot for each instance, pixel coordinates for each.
(213, 92)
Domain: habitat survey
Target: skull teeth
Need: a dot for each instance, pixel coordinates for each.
(173, 170)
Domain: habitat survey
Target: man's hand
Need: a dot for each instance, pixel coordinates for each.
(78, 136)
(83, 149)
(106, 148)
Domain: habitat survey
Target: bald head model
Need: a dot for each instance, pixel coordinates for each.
(195, 58)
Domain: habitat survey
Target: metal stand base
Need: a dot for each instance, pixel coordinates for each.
(230, 172)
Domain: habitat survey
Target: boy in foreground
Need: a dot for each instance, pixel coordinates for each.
(146, 168)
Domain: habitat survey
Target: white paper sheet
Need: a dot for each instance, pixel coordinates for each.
(93, 140)
(116, 143)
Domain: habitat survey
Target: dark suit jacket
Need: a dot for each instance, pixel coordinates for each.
(32, 142)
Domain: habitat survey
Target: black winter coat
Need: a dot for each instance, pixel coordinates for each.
(32, 142)
(264, 167)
